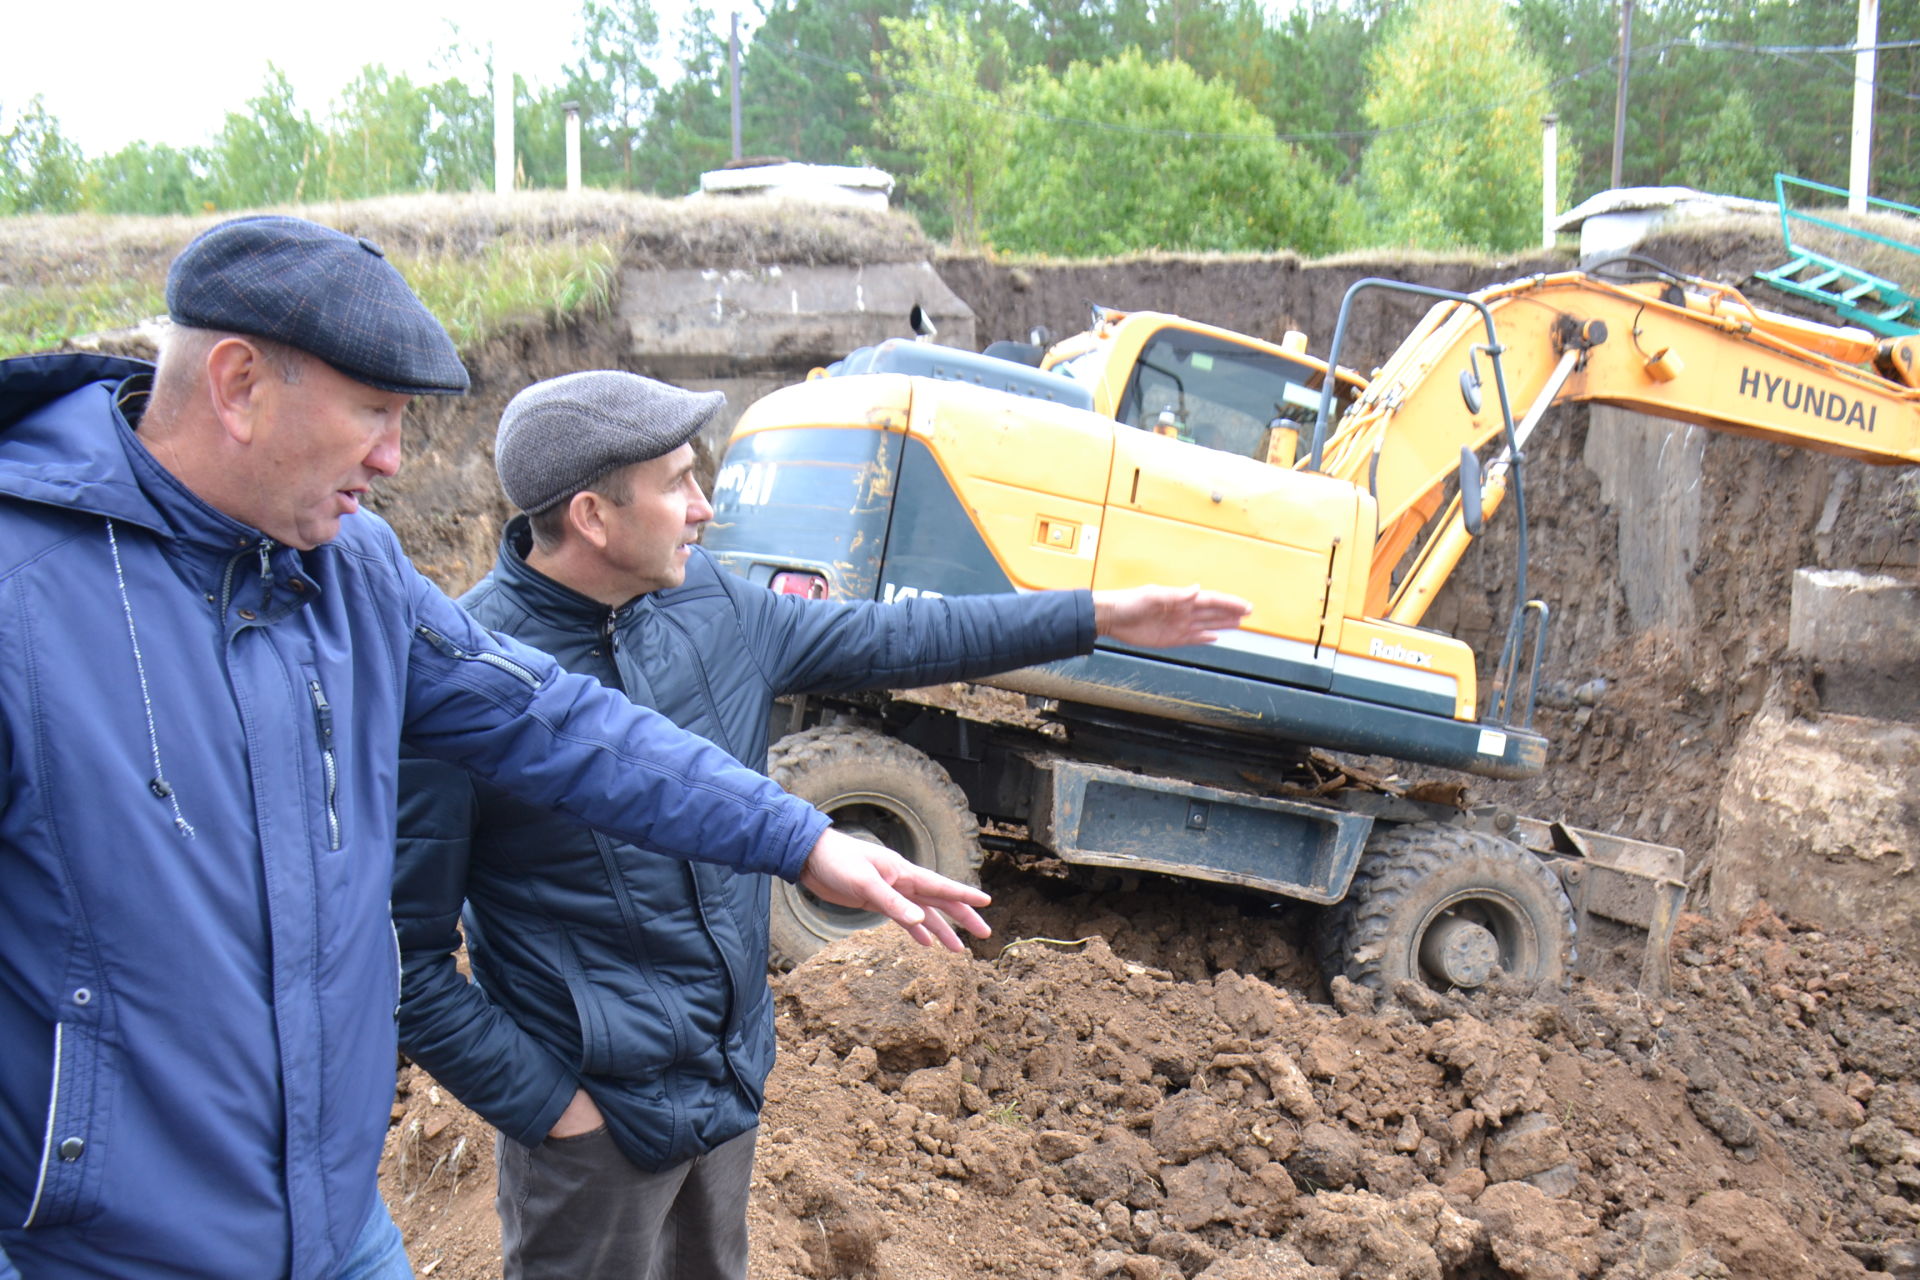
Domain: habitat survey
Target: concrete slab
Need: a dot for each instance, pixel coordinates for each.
(1611, 223)
(708, 323)
(857, 187)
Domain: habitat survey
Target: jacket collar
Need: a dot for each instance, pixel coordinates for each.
(555, 600)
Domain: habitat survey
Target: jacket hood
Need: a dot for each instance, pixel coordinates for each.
(53, 449)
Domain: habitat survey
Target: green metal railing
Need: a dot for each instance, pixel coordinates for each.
(1869, 300)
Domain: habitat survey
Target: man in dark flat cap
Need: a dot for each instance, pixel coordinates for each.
(620, 1030)
(211, 658)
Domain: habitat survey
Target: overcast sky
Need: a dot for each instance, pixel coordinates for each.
(113, 72)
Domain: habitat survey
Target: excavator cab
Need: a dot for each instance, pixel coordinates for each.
(1221, 393)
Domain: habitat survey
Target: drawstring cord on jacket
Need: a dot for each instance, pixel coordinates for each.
(159, 785)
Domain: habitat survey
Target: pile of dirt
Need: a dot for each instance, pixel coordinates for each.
(1063, 1106)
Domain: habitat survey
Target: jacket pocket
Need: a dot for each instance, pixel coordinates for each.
(68, 1155)
(625, 1030)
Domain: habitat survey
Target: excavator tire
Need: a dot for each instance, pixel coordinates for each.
(1445, 906)
(878, 789)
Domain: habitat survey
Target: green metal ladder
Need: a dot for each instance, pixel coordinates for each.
(1859, 296)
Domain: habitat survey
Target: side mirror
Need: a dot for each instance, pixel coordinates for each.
(1470, 481)
(1470, 389)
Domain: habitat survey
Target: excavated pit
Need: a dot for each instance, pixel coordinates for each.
(1156, 1084)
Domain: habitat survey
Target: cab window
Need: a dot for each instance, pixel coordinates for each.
(1221, 395)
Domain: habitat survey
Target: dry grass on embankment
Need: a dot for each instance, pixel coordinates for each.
(480, 262)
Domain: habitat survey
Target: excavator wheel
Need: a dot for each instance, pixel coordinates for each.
(1448, 906)
(877, 789)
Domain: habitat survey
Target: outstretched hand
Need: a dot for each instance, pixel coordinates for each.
(871, 877)
(1166, 617)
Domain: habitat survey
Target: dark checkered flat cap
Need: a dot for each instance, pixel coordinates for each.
(559, 436)
(319, 291)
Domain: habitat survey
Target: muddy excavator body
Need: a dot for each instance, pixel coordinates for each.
(1155, 449)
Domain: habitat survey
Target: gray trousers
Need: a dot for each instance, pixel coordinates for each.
(577, 1209)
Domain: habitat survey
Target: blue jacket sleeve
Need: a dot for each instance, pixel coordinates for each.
(7, 1270)
(508, 713)
(447, 1024)
(813, 646)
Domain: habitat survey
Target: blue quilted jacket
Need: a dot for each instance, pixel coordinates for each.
(641, 977)
(199, 741)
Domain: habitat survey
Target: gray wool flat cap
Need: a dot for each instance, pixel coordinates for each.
(559, 436)
(316, 290)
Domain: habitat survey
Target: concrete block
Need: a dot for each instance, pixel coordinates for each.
(1864, 632)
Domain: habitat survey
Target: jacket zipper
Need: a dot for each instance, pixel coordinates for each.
(53, 1116)
(453, 650)
(263, 549)
(399, 968)
(323, 722)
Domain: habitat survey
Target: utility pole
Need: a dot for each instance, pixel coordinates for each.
(733, 79)
(573, 144)
(502, 120)
(1865, 63)
(1620, 95)
(1549, 176)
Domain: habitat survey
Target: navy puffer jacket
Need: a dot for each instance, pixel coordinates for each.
(637, 976)
(199, 741)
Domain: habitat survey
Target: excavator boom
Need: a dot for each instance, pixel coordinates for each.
(1674, 347)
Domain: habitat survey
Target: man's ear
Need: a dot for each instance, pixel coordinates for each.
(586, 517)
(236, 377)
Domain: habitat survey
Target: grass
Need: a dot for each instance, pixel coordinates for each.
(514, 283)
(483, 263)
(40, 319)
(1008, 1113)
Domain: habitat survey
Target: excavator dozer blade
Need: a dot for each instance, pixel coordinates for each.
(1620, 888)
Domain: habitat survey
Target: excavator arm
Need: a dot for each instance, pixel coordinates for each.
(1673, 347)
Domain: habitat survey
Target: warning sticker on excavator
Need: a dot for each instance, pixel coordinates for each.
(1492, 742)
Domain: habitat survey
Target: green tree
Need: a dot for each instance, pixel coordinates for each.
(1055, 34)
(271, 153)
(459, 140)
(1176, 162)
(691, 129)
(942, 110)
(40, 170)
(540, 141)
(614, 84)
(149, 178)
(378, 143)
(1727, 155)
(805, 83)
(1457, 98)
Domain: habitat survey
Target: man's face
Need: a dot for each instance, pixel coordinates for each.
(318, 444)
(648, 539)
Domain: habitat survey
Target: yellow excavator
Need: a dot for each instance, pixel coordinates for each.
(1154, 448)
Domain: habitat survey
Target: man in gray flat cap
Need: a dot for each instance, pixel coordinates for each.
(211, 658)
(619, 1030)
